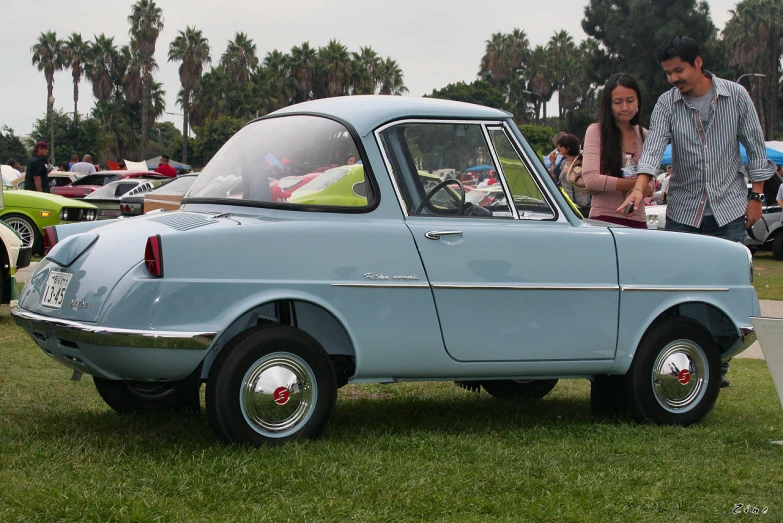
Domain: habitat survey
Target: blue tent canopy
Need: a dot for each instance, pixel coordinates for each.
(482, 167)
(773, 154)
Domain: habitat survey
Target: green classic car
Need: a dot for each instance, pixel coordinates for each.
(28, 212)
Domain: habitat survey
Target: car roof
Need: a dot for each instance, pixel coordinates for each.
(368, 112)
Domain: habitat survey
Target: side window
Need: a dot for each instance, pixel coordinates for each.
(526, 194)
(445, 169)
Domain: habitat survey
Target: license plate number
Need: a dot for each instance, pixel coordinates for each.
(54, 292)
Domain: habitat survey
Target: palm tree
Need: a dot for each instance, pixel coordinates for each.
(494, 65)
(367, 73)
(49, 56)
(540, 78)
(390, 78)
(302, 66)
(77, 55)
(240, 58)
(562, 52)
(333, 69)
(192, 49)
(753, 40)
(146, 21)
(101, 66)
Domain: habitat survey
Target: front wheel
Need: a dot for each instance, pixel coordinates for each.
(269, 386)
(140, 397)
(26, 229)
(519, 389)
(675, 377)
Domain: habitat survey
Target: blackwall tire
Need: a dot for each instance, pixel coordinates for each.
(519, 389)
(777, 246)
(269, 386)
(137, 397)
(675, 376)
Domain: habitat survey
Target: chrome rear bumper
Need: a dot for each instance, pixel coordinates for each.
(748, 337)
(109, 336)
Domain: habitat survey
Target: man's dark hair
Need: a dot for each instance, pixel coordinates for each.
(570, 142)
(11, 162)
(683, 47)
(165, 157)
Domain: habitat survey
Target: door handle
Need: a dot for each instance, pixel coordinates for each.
(435, 235)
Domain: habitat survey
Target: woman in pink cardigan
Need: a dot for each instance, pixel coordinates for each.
(612, 148)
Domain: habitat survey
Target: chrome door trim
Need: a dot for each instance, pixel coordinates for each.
(553, 287)
(435, 235)
(385, 285)
(501, 173)
(650, 288)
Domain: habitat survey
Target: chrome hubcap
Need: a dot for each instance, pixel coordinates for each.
(680, 376)
(22, 228)
(277, 395)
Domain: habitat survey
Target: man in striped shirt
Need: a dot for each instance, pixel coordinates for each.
(705, 118)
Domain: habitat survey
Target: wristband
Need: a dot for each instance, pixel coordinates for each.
(636, 189)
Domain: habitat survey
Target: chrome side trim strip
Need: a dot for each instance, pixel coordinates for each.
(530, 287)
(110, 336)
(673, 289)
(385, 285)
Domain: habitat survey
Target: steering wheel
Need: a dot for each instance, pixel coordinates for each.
(440, 186)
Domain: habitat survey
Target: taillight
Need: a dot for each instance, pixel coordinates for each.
(153, 256)
(49, 239)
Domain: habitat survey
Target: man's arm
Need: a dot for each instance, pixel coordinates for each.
(760, 168)
(658, 135)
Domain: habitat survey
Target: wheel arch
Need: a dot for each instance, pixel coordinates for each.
(311, 314)
(709, 315)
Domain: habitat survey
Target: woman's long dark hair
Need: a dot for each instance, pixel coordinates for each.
(611, 135)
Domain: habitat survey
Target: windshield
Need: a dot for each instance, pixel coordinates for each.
(252, 163)
(176, 186)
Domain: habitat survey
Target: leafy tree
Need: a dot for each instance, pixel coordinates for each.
(146, 21)
(192, 49)
(99, 68)
(630, 31)
(480, 92)
(302, 64)
(539, 136)
(240, 58)
(11, 146)
(71, 136)
(390, 78)
(541, 79)
(49, 56)
(753, 38)
(211, 136)
(366, 71)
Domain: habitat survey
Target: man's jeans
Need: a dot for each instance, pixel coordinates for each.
(734, 231)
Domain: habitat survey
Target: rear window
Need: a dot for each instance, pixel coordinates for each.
(97, 179)
(176, 186)
(252, 163)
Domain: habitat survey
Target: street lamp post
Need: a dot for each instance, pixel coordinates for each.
(183, 116)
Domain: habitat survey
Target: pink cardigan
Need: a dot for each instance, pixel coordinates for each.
(606, 202)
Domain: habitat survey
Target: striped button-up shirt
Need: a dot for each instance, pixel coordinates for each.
(706, 162)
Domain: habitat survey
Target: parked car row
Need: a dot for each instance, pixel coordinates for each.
(368, 272)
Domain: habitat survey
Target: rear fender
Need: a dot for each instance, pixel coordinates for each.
(69, 229)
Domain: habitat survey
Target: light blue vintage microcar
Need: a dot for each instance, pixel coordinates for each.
(377, 274)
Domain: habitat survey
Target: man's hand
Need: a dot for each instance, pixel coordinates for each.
(636, 196)
(552, 157)
(752, 213)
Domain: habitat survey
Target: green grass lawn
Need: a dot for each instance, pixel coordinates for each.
(768, 276)
(404, 452)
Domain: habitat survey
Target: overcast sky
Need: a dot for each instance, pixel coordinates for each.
(436, 42)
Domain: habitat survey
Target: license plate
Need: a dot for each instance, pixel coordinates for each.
(54, 292)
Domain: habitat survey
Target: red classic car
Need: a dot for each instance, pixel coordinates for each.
(92, 182)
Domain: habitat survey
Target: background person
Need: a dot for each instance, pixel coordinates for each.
(568, 147)
(611, 149)
(85, 166)
(165, 169)
(37, 174)
(12, 164)
(555, 158)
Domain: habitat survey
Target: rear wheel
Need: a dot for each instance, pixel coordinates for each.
(519, 389)
(269, 386)
(675, 377)
(140, 397)
(26, 230)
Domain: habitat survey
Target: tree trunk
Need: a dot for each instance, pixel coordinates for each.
(145, 100)
(75, 101)
(185, 125)
(49, 116)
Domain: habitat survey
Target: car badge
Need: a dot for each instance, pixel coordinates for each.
(281, 395)
(684, 377)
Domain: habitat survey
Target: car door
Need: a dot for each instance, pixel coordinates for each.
(521, 284)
